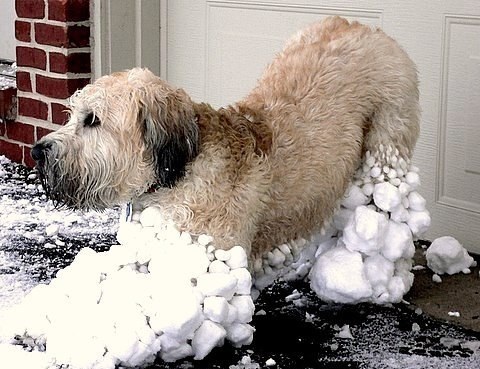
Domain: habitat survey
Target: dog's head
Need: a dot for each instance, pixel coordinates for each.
(126, 132)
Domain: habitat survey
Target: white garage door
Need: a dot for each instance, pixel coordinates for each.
(217, 49)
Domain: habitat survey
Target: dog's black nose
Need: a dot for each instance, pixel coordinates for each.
(38, 152)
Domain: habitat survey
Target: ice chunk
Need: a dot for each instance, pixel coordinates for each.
(447, 255)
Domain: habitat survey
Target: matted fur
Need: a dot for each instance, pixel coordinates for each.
(266, 170)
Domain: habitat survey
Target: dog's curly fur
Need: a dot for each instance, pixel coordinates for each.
(266, 170)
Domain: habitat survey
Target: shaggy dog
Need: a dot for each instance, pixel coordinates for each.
(266, 170)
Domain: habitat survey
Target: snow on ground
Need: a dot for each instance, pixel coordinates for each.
(7, 76)
(146, 296)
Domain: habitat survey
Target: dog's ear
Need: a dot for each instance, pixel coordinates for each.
(170, 132)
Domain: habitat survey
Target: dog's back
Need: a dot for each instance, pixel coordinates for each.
(337, 90)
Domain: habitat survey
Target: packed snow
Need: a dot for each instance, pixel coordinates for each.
(171, 294)
(162, 292)
(447, 256)
(366, 252)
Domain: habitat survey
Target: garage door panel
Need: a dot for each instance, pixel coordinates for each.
(242, 39)
(459, 148)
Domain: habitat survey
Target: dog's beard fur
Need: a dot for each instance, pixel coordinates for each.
(144, 136)
(79, 184)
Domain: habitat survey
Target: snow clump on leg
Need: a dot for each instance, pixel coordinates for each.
(365, 252)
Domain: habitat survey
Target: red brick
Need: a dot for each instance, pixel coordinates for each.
(59, 113)
(32, 108)
(31, 57)
(11, 150)
(79, 36)
(22, 31)
(22, 132)
(73, 63)
(24, 82)
(34, 9)
(42, 132)
(27, 157)
(60, 88)
(48, 34)
(62, 36)
(69, 10)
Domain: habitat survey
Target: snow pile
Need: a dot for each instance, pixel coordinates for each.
(366, 253)
(447, 255)
(162, 292)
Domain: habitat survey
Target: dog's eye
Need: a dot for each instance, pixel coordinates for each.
(91, 120)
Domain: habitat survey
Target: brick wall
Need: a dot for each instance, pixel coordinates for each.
(53, 61)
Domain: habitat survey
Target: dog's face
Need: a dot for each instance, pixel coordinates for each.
(126, 132)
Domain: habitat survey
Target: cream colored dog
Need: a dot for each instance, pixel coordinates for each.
(266, 170)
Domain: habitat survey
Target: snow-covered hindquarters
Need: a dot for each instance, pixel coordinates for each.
(162, 292)
(366, 253)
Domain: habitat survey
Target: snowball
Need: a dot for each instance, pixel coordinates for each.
(244, 280)
(217, 284)
(413, 179)
(338, 276)
(416, 201)
(208, 336)
(218, 266)
(215, 308)
(151, 216)
(398, 242)
(386, 196)
(354, 197)
(240, 334)
(341, 218)
(447, 255)
(419, 222)
(378, 271)
(238, 258)
(245, 308)
(365, 231)
(204, 239)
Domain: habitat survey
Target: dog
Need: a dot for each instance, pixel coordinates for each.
(268, 169)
